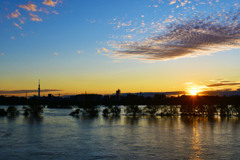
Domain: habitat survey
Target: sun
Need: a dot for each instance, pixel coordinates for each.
(193, 91)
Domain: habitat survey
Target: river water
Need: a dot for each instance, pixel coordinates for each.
(59, 136)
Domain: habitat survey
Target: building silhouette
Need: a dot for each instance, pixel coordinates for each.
(118, 92)
(39, 88)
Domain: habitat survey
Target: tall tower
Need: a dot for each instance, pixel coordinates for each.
(39, 88)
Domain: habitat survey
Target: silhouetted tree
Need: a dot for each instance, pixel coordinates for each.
(33, 110)
(75, 112)
(133, 109)
(173, 110)
(236, 109)
(224, 110)
(187, 109)
(201, 110)
(89, 109)
(115, 111)
(151, 109)
(105, 112)
(3, 112)
(12, 111)
(211, 110)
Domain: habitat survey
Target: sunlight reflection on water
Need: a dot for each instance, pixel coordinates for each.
(59, 136)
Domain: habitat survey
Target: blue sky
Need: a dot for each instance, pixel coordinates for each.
(101, 45)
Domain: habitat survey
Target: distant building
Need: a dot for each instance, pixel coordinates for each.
(118, 92)
(39, 88)
(118, 95)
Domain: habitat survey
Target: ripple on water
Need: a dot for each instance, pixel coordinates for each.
(59, 136)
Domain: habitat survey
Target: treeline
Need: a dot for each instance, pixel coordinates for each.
(130, 99)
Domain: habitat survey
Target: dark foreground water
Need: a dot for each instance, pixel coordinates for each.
(59, 136)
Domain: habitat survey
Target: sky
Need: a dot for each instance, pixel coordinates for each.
(99, 46)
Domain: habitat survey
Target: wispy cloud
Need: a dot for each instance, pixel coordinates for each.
(12, 37)
(29, 7)
(224, 84)
(172, 2)
(27, 91)
(105, 49)
(15, 14)
(22, 35)
(50, 3)
(216, 87)
(91, 21)
(185, 31)
(98, 51)
(17, 25)
(43, 10)
(189, 38)
(2, 54)
(35, 17)
(79, 52)
(221, 92)
(56, 54)
(32, 8)
(55, 12)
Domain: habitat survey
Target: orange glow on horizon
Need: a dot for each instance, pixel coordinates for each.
(193, 91)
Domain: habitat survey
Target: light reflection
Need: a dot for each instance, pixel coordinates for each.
(196, 148)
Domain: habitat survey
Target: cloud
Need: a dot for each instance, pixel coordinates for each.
(35, 17)
(43, 10)
(224, 84)
(175, 93)
(128, 36)
(55, 12)
(2, 54)
(98, 51)
(12, 37)
(105, 49)
(172, 2)
(15, 14)
(223, 92)
(91, 21)
(17, 25)
(27, 91)
(21, 20)
(184, 38)
(29, 7)
(56, 54)
(218, 87)
(22, 35)
(79, 52)
(50, 3)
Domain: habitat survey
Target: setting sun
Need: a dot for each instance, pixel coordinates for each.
(193, 91)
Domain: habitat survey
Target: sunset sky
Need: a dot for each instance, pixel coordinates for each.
(98, 46)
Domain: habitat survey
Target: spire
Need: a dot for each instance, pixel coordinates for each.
(39, 88)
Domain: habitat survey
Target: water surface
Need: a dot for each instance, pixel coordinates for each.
(59, 136)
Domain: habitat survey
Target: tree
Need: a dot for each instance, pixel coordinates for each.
(105, 112)
(224, 110)
(151, 109)
(3, 112)
(12, 111)
(33, 110)
(75, 112)
(236, 109)
(115, 111)
(89, 109)
(133, 109)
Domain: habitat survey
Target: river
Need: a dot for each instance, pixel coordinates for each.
(59, 136)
